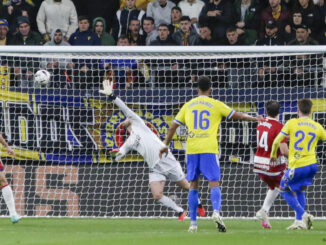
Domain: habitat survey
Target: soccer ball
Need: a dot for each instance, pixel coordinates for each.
(42, 77)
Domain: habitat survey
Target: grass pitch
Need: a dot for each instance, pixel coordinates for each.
(153, 231)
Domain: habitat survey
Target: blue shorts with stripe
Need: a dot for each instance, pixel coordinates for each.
(206, 164)
(296, 178)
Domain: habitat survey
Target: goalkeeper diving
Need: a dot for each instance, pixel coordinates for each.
(143, 140)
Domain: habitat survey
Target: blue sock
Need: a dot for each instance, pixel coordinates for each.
(216, 198)
(193, 203)
(301, 196)
(293, 203)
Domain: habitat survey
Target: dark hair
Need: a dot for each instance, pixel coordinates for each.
(176, 8)
(150, 19)
(132, 19)
(123, 37)
(83, 17)
(163, 25)
(185, 18)
(305, 106)
(231, 29)
(204, 83)
(273, 108)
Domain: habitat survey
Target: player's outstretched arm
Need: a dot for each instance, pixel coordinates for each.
(108, 90)
(168, 139)
(246, 117)
(8, 148)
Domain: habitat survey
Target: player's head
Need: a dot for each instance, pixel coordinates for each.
(204, 85)
(304, 107)
(273, 108)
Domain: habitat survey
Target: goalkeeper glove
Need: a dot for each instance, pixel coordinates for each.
(108, 89)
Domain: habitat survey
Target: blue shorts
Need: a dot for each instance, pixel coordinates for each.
(296, 178)
(206, 164)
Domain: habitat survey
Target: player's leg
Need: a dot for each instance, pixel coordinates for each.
(290, 183)
(193, 174)
(8, 197)
(157, 183)
(210, 168)
(273, 183)
(186, 185)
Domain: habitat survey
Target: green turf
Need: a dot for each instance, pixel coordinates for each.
(153, 231)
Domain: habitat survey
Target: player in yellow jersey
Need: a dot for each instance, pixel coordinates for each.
(202, 116)
(304, 134)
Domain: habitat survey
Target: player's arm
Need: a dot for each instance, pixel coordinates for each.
(108, 90)
(168, 139)
(284, 149)
(276, 145)
(179, 120)
(245, 117)
(117, 154)
(5, 144)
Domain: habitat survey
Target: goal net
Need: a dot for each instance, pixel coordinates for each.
(62, 131)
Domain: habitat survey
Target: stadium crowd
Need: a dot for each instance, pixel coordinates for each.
(165, 22)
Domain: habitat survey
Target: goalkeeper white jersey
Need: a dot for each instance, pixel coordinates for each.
(142, 138)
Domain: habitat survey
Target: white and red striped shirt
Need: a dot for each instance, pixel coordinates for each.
(266, 133)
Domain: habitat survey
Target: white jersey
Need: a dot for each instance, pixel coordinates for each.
(142, 138)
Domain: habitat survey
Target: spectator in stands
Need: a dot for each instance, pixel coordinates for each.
(106, 9)
(290, 29)
(303, 37)
(61, 69)
(4, 32)
(271, 37)
(186, 35)
(123, 17)
(55, 14)
(219, 14)
(304, 67)
(15, 9)
(83, 36)
(134, 36)
(176, 15)
(163, 38)
(322, 36)
(206, 38)
(123, 72)
(99, 27)
(247, 18)
(277, 12)
(24, 67)
(311, 16)
(268, 74)
(141, 4)
(25, 36)
(192, 8)
(160, 11)
(149, 29)
(233, 38)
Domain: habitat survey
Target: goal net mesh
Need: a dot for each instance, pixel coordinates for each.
(62, 131)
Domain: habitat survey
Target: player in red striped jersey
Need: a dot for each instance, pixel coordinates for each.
(270, 174)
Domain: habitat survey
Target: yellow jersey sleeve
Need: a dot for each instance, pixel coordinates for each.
(181, 116)
(322, 133)
(224, 110)
(285, 130)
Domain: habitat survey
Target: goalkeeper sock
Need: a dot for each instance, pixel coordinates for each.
(193, 203)
(9, 199)
(269, 199)
(293, 203)
(216, 198)
(301, 196)
(168, 202)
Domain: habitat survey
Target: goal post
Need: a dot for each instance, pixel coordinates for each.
(62, 131)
